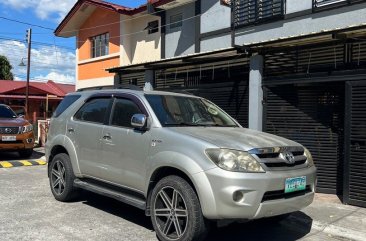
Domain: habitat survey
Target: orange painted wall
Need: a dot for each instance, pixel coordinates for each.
(97, 69)
(99, 22)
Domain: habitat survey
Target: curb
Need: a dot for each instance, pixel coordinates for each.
(33, 162)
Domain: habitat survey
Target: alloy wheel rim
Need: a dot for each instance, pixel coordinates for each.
(170, 212)
(58, 177)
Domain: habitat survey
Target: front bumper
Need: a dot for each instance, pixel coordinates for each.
(23, 141)
(263, 193)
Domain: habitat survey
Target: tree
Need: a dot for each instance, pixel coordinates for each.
(5, 69)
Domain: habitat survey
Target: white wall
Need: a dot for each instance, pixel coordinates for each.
(137, 46)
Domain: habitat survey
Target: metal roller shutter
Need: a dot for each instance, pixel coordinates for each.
(229, 96)
(356, 143)
(223, 84)
(312, 116)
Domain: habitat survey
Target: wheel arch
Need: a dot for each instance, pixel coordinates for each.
(64, 145)
(162, 172)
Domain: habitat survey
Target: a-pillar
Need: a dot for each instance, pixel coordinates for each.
(256, 92)
(149, 79)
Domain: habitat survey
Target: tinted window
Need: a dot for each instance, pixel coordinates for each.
(6, 112)
(184, 111)
(123, 111)
(65, 103)
(93, 110)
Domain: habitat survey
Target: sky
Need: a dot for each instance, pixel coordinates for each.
(52, 58)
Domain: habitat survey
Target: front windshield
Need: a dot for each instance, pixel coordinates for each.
(185, 111)
(6, 112)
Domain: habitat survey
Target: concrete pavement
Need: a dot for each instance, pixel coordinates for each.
(331, 219)
(29, 212)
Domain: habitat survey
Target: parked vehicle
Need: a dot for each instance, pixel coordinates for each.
(178, 157)
(16, 133)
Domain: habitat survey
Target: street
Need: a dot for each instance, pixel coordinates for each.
(29, 212)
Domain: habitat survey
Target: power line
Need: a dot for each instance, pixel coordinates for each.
(48, 28)
(35, 42)
(142, 31)
(26, 23)
(125, 20)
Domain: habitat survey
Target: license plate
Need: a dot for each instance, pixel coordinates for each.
(8, 138)
(295, 184)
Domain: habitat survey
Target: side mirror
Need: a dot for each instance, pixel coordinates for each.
(139, 121)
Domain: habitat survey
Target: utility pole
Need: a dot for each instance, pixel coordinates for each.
(29, 41)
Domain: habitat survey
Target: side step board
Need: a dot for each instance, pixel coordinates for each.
(120, 196)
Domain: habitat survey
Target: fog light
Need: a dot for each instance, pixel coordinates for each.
(238, 196)
(29, 140)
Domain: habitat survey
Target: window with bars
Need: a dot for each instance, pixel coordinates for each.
(248, 12)
(326, 4)
(100, 45)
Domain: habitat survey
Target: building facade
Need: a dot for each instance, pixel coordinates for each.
(293, 68)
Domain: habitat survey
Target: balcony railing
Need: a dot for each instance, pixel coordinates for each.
(247, 12)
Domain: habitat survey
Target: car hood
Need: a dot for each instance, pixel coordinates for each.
(13, 122)
(235, 138)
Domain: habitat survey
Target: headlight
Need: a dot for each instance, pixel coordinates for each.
(234, 161)
(27, 128)
(309, 158)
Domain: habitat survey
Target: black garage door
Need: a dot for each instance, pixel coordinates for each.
(313, 116)
(355, 183)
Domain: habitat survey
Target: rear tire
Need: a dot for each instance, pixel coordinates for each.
(176, 211)
(26, 153)
(62, 178)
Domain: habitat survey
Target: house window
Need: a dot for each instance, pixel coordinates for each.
(153, 27)
(176, 21)
(100, 45)
(248, 12)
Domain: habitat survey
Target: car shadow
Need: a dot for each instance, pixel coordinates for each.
(7, 156)
(296, 226)
(116, 208)
(292, 228)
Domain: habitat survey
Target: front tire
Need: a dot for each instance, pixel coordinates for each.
(176, 211)
(62, 178)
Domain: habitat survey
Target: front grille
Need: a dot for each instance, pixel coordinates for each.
(275, 161)
(280, 194)
(284, 164)
(11, 142)
(268, 155)
(9, 130)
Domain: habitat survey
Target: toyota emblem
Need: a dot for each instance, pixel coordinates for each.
(7, 130)
(288, 157)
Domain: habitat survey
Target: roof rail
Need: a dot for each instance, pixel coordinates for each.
(176, 90)
(110, 87)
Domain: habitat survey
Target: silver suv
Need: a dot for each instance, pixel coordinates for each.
(178, 157)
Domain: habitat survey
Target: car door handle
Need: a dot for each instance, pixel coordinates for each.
(71, 130)
(107, 137)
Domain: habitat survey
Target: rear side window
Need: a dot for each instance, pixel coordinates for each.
(65, 103)
(94, 110)
(123, 111)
